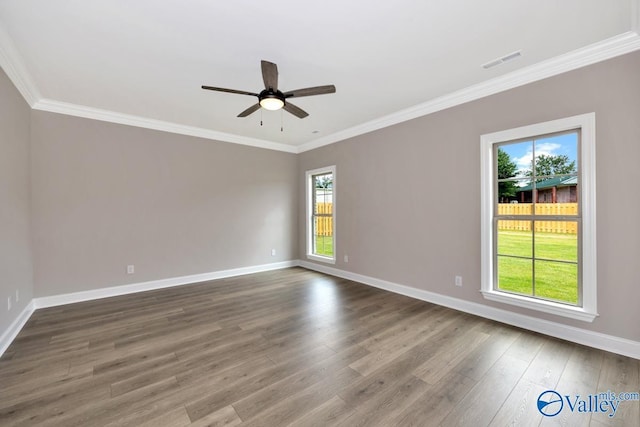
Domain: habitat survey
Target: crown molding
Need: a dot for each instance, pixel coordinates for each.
(53, 106)
(597, 52)
(13, 65)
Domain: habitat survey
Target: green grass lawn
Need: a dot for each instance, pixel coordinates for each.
(553, 280)
(324, 246)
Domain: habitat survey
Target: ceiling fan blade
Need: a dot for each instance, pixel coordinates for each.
(221, 89)
(250, 110)
(310, 91)
(296, 111)
(270, 75)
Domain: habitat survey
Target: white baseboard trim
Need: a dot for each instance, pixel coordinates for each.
(54, 300)
(70, 298)
(597, 340)
(16, 326)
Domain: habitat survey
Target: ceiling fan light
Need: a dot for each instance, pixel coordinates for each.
(271, 103)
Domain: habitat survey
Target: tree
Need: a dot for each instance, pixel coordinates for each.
(547, 165)
(324, 181)
(507, 168)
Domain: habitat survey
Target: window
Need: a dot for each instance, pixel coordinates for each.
(538, 217)
(321, 208)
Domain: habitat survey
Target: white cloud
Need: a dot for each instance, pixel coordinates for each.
(546, 148)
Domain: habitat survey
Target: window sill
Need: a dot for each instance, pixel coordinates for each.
(577, 313)
(319, 258)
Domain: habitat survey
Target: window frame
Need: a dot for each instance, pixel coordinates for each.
(587, 311)
(309, 213)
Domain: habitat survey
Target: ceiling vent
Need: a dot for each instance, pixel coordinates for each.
(502, 59)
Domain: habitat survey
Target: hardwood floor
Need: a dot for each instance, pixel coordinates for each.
(293, 347)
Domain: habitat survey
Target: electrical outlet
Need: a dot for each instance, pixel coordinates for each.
(9, 304)
(459, 281)
(273, 252)
(131, 269)
(346, 258)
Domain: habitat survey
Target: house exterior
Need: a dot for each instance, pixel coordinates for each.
(553, 190)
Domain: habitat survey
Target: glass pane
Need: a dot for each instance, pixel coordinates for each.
(513, 160)
(556, 155)
(556, 169)
(557, 281)
(323, 214)
(545, 204)
(515, 238)
(556, 240)
(523, 206)
(557, 196)
(323, 245)
(514, 197)
(556, 227)
(515, 275)
(323, 193)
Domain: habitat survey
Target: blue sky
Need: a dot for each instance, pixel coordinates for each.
(522, 153)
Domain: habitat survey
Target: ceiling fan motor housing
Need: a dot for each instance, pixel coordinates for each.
(271, 100)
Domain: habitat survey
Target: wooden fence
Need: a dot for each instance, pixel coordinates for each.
(551, 209)
(324, 225)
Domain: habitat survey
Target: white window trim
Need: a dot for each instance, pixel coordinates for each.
(587, 124)
(308, 179)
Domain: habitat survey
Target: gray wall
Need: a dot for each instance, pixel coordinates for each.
(105, 195)
(108, 195)
(408, 195)
(15, 248)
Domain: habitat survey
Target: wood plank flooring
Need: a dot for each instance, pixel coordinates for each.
(293, 347)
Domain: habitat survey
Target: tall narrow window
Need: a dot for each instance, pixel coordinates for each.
(539, 217)
(321, 206)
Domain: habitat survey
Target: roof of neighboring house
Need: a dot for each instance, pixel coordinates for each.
(559, 181)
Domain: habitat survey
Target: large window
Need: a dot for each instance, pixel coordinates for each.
(321, 207)
(538, 235)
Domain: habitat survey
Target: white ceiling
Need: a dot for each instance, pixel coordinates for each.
(143, 62)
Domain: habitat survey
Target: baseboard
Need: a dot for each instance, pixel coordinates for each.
(51, 301)
(70, 298)
(16, 326)
(597, 340)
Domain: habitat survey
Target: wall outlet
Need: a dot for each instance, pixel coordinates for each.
(273, 252)
(9, 304)
(459, 281)
(346, 258)
(131, 269)
(17, 295)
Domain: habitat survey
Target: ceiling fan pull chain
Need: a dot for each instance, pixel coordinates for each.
(281, 122)
(261, 117)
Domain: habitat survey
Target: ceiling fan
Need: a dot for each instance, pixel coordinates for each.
(271, 98)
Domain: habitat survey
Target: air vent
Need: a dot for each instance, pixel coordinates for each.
(502, 60)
